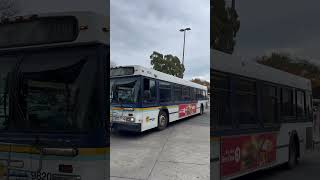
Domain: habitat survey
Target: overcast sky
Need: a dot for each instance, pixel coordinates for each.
(142, 26)
(287, 25)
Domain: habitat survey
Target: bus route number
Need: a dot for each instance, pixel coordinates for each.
(40, 175)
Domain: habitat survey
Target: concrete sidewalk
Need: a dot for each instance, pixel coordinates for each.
(180, 152)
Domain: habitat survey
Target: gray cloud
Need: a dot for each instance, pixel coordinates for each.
(287, 25)
(140, 27)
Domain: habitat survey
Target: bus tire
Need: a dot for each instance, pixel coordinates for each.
(293, 155)
(162, 120)
(201, 110)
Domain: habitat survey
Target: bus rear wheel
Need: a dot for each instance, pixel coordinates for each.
(162, 120)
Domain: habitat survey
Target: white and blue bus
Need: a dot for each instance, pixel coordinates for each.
(53, 84)
(143, 98)
(262, 117)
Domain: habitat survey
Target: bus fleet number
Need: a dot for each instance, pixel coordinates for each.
(40, 176)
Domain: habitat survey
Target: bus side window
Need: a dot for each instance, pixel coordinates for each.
(300, 103)
(165, 92)
(4, 102)
(287, 102)
(269, 105)
(245, 102)
(177, 92)
(221, 107)
(203, 94)
(186, 93)
(194, 94)
(191, 94)
(309, 107)
(149, 90)
(198, 94)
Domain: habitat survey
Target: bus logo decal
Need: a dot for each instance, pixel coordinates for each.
(148, 119)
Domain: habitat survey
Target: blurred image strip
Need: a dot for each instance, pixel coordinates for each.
(54, 84)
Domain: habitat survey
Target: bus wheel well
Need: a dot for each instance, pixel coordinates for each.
(166, 111)
(296, 142)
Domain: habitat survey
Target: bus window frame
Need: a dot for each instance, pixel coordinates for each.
(158, 89)
(284, 117)
(179, 100)
(229, 93)
(277, 98)
(235, 93)
(305, 115)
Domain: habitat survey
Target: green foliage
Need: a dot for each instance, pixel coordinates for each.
(168, 64)
(202, 82)
(225, 25)
(297, 66)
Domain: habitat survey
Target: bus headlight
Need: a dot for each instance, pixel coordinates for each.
(130, 119)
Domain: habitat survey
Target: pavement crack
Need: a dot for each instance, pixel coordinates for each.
(126, 178)
(167, 139)
(176, 162)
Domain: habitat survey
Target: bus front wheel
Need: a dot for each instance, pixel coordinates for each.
(162, 120)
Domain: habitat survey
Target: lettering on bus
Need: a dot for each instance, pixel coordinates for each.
(187, 110)
(240, 154)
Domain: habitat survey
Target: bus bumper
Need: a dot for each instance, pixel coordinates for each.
(133, 127)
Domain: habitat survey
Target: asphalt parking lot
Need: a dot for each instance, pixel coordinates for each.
(180, 152)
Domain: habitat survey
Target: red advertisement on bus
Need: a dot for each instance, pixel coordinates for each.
(187, 109)
(243, 153)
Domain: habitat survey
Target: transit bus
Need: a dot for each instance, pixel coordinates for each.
(262, 117)
(143, 98)
(53, 105)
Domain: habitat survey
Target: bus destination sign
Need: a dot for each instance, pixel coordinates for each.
(38, 31)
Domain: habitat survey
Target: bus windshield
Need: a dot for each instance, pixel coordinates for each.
(124, 90)
(47, 91)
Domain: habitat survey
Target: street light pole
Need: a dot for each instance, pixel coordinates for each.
(184, 41)
(184, 44)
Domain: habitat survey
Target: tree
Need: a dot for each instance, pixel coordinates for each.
(293, 65)
(225, 25)
(8, 8)
(202, 82)
(168, 64)
(112, 64)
